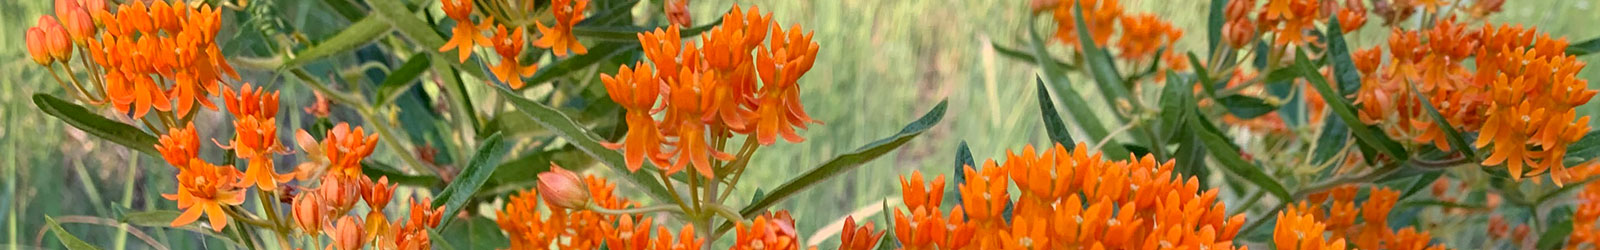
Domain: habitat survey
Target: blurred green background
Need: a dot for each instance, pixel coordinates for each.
(882, 63)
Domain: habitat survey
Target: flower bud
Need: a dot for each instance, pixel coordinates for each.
(678, 13)
(563, 188)
(55, 39)
(377, 194)
(349, 234)
(309, 212)
(339, 192)
(92, 7)
(76, 20)
(36, 46)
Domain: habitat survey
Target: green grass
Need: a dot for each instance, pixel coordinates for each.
(882, 63)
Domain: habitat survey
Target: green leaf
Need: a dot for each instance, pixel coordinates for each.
(1100, 65)
(1344, 69)
(1586, 148)
(110, 130)
(1076, 106)
(375, 170)
(360, 33)
(67, 239)
(848, 161)
(346, 9)
(1214, 24)
(1422, 182)
(1584, 48)
(1019, 55)
(476, 232)
(1331, 140)
(164, 218)
(1454, 137)
(1560, 226)
(1346, 111)
(631, 33)
(596, 54)
(1052, 121)
(402, 79)
(585, 141)
(1190, 159)
(1228, 155)
(1206, 83)
(963, 159)
(1176, 99)
(402, 19)
(1246, 107)
(472, 177)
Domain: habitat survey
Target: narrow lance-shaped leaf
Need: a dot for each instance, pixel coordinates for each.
(963, 159)
(1246, 107)
(1176, 99)
(360, 33)
(1019, 55)
(1214, 24)
(1584, 48)
(1458, 143)
(1560, 226)
(630, 33)
(586, 141)
(1076, 106)
(83, 119)
(67, 239)
(596, 54)
(1052, 121)
(1344, 68)
(472, 177)
(401, 79)
(1346, 111)
(1229, 156)
(1099, 62)
(846, 162)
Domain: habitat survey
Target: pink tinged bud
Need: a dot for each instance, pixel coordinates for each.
(94, 6)
(563, 188)
(36, 46)
(55, 39)
(309, 213)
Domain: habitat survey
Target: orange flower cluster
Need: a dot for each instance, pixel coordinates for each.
(862, 237)
(710, 91)
(1339, 223)
(1144, 33)
(1100, 15)
(143, 47)
(532, 224)
(1585, 230)
(256, 134)
(340, 153)
(1068, 200)
(1521, 96)
(769, 231)
(508, 42)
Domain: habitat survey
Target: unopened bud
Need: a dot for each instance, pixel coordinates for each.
(349, 234)
(563, 188)
(309, 213)
(55, 39)
(36, 46)
(75, 19)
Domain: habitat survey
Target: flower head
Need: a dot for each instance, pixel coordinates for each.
(861, 237)
(179, 145)
(509, 46)
(637, 91)
(918, 197)
(678, 12)
(766, 232)
(309, 212)
(377, 194)
(558, 37)
(205, 188)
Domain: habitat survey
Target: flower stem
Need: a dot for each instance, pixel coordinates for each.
(638, 210)
(726, 213)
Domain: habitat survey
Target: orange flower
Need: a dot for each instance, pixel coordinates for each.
(780, 65)
(467, 34)
(509, 46)
(916, 197)
(627, 235)
(180, 145)
(1300, 17)
(173, 42)
(1026, 234)
(637, 91)
(1352, 16)
(1296, 230)
(685, 241)
(76, 20)
(984, 194)
(1143, 34)
(377, 194)
(248, 102)
(256, 133)
(345, 148)
(858, 238)
(766, 232)
(340, 193)
(685, 108)
(558, 38)
(1100, 15)
(523, 222)
(413, 233)
(320, 106)
(205, 188)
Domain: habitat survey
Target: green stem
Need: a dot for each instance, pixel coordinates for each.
(738, 166)
(127, 198)
(639, 210)
(726, 213)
